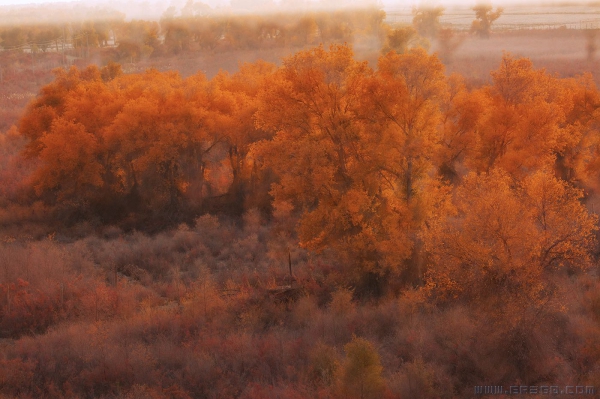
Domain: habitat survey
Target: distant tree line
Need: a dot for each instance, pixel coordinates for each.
(199, 32)
(195, 29)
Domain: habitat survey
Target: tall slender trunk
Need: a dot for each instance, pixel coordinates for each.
(409, 180)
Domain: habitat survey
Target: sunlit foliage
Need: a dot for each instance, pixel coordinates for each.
(322, 228)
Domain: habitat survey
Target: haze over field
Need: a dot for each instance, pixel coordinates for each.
(457, 12)
(392, 4)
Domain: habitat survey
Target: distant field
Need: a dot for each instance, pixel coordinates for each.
(552, 37)
(561, 52)
(515, 17)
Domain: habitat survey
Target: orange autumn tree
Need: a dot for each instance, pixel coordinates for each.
(505, 239)
(234, 101)
(311, 105)
(69, 163)
(132, 143)
(503, 257)
(406, 95)
(49, 104)
(522, 127)
(158, 140)
(580, 160)
(61, 126)
(461, 113)
(342, 156)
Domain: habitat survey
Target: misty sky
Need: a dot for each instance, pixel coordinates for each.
(385, 2)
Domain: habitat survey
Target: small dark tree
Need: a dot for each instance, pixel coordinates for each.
(591, 46)
(402, 39)
(484, 18)
(448, 42)
(361, 373)
(426, 20)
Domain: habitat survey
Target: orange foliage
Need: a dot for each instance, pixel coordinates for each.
(385, 172)
(352, 149)
(521, 128)
(506, 238)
